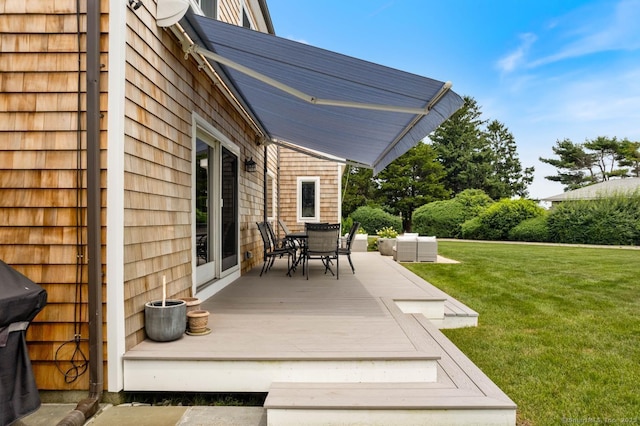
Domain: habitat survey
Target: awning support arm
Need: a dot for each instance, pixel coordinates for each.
(318, 155)
(194, 48)
(443, 91)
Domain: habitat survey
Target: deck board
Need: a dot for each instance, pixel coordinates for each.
(278, 316)
(325, 348)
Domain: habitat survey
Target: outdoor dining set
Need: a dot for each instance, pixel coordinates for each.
(318, 241)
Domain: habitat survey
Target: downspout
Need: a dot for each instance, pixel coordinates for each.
(94, 203)
(86, 408)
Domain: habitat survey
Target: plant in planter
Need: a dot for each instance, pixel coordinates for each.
(164, 320)
(386, 240)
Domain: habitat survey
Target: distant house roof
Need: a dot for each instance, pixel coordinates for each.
(599, 190)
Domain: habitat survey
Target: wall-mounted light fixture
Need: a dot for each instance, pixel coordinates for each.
(135, 4)
(250, 165)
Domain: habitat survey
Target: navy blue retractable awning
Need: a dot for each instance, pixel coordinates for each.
(320, 100)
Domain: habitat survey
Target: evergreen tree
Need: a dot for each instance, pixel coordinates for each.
(630, 152)
(606, 154)
(575, 165)
(508, 178)
(358, 189)
(461, 149)
(410, 181)
(594, 161)
(477, 155)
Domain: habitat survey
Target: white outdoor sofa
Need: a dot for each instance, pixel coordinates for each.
(413, 248)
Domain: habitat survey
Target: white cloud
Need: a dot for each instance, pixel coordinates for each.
(514, 59)
(594, 30)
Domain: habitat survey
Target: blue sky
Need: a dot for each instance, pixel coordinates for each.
(547, 69)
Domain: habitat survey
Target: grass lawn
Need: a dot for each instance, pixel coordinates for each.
(559, 327)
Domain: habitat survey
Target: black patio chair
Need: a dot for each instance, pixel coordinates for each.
(283, 226)
(322, 243)
(277, 242)
(271, 252)
(202, 249)
(346, 250)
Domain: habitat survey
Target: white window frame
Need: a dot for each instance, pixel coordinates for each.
(316, 182)
(271, 180)
(200, 275)
(244, 10)
(216, 5)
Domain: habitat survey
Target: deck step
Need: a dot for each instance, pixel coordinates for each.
(455, 313)
(431, 308)
(257, 375)
(456, 316)
(383, 403)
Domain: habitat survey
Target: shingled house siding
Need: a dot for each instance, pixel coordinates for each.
(39, 218)
(38, 161)
(163, 90)
(293, 165)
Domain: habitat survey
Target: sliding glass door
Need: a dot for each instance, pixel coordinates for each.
(229, 216)
(216, 209)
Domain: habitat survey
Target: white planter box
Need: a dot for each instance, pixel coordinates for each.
(359, 242)
(385, 246)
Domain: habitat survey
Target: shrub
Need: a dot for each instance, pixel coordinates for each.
(440, 218)
(471, 229)
(534, 229)
(387, 232)
(500, 218)
(347, 223)
(445, 218)
(474, 201)
(607, 221)
(371, 219)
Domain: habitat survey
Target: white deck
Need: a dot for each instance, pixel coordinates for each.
(306, 341)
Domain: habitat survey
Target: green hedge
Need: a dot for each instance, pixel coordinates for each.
(372, 219)
(440, 218)
(534, 229)
(500, 218)
(607, 221)
(471, 229)
(445, 218)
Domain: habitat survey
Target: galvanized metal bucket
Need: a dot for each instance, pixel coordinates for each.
(165, 323)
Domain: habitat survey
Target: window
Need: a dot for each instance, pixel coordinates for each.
(209, 8)
(245, 19)
(308, 199)
(271, 196)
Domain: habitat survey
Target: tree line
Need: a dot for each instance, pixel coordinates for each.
(465, 152)
(595, 160)
(468, 151)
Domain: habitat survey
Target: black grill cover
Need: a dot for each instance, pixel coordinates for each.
(20, 301)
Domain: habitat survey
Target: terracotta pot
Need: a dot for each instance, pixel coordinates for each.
(198, 321)
(193, 303)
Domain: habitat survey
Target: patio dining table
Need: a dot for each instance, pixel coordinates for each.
(299, 239)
